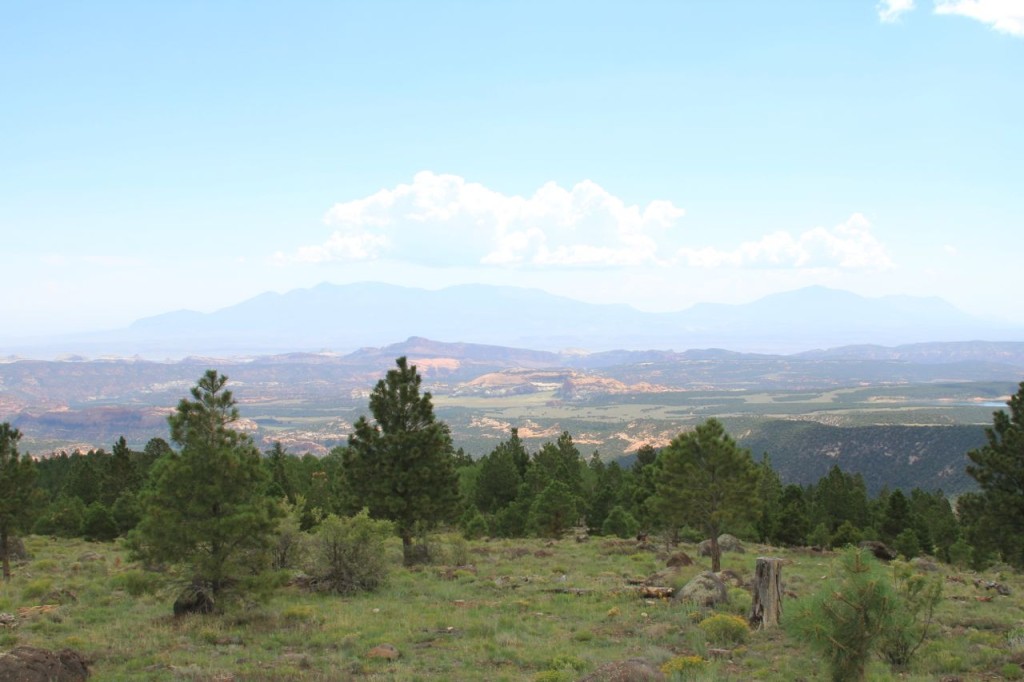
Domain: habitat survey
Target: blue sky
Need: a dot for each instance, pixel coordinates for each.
(159, 156)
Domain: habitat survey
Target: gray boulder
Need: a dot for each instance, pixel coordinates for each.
(705, 589)
(726, 543)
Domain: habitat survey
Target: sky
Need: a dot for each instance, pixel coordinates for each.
(190, 155)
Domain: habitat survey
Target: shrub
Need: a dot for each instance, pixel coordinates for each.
(846, 534)
(288, 548)
(474, 525)
(458, 551)
(819, 537)
(99, 523)
(960, 553)
(918, 596)
(740, 601)
(907, 544)
(620, 523)
(683, 665)
(724, 629)
(1011, 671)
(348, 553)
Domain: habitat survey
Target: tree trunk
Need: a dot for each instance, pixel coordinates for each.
(716, 554)
(766, 611)
(5, 555)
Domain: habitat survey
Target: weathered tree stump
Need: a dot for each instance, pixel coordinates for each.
(766, 611)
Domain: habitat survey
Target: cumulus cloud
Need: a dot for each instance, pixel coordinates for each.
(1005, 16)
(445, 221)
(890, 11)
(849, 245)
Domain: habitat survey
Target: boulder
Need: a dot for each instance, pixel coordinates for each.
(706, 589)
(30, 664)
(730, 577)
(679, 559)
(879, 549)
(196, 598)
(726, 543)
(631, 670)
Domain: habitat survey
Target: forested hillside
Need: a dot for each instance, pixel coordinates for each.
(928, 457)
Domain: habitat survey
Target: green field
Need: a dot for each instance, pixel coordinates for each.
(499, 610)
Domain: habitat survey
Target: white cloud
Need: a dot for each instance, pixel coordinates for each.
(1005, 16)
(445, 220)
(890, 11)
(850, 245)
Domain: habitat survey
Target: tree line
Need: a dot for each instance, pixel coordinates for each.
(211, 498)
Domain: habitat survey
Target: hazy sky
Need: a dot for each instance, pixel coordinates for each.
(165, 155)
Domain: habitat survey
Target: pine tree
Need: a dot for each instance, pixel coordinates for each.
(997, 511)
(401, 466)
(499, 479)
(17, 478)
(708, 482)
(206, 507)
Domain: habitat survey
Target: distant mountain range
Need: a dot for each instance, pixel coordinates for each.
(343, 318)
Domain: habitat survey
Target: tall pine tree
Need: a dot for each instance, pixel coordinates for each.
(708, 482)
(401, 466)
(206, 505)
(17, 475)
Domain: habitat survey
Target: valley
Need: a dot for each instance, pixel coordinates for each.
(902, 416)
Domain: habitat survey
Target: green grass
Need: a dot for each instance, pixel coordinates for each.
(529, 609)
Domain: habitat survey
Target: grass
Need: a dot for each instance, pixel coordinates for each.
(524, 610)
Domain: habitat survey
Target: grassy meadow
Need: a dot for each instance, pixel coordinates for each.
(494, 610)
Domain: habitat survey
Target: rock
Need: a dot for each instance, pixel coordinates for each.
(924, 564)
(730, 577)
(196, 598)
(91, 556)
(879, 549)
(730, 543)
(631, 670)
(679, 559)
(30, 664)
(386, 651)
(704, 590)
(8, 620)
(726, 543)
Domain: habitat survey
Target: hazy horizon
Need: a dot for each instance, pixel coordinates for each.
(190, 157)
